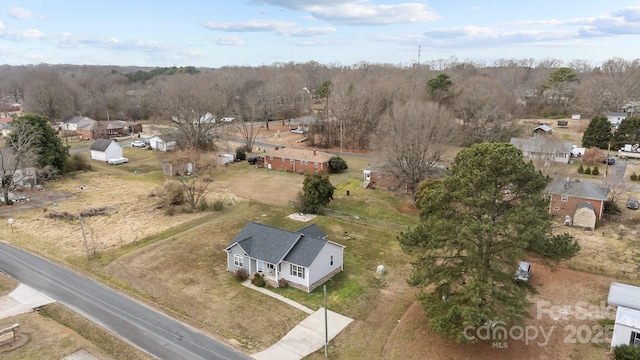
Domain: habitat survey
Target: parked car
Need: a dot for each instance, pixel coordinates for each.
(117, 160)
(138, 144)
(633, 204)
(298, 131)
(523, 273)
(609, 160)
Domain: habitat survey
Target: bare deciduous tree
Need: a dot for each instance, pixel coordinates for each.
(16, 155)
(48, 94)
(412, 138)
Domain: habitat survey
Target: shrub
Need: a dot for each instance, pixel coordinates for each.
(241, 153)
(76, 163)
(611, 208)
(581, 169)
(634, 176)
(258, 280)
(217, 205)
(170, 211)
(337, 164)
(626, 352)
(587, 171)
(282, 283)
(203, 205)
(595, 171)
(241, 275)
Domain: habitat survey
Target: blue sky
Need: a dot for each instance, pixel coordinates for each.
(218, 33)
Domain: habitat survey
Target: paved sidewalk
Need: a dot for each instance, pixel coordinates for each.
(22, 300)
(296, 305)
(307, 337)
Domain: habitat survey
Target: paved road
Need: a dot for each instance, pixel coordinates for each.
(150, 330)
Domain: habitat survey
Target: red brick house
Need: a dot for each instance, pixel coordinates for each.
(581, 200)
(297, 160)
(379, 177)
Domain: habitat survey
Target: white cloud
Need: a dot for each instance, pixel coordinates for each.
(20, 13)
(227, 40)
(1, 26)
(283, 28)
(360, 12)
(29, 34)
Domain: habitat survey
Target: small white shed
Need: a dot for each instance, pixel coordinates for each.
(105, 149)
(626, 329)
(162, 143)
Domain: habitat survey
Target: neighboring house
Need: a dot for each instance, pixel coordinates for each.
(105, 149)
(103, 129)
(297, 160)
(583, 201)
(304, 258)
(615, 118)
(544, 148)
(379, 177)
(162, 143)
(626, 328)
(542, 130)
(73, 123)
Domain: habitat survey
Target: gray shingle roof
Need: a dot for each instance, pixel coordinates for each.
(305, 251)
(577, 188)
(313, 230)
(542, 144)
(101, 144)
(273, 245)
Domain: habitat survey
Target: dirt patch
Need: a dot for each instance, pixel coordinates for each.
(413, 339)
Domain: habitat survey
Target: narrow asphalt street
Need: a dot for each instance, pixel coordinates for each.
(152, 331)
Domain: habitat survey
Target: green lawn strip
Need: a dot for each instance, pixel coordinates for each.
(353, 291)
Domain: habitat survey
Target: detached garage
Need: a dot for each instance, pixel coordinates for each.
(105, 149)
(585, 216)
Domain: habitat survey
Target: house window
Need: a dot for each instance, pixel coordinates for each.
(238, 260)
(297, 271)
(283, 159)
(557, 208)
(331, 260)
(315, 165)
(564, 198)
(271, 268)
(292, 161)
(635, 338)
(306, 162)
(270, 157)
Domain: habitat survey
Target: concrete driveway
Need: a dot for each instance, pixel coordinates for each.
(22, 300)
(306, 338)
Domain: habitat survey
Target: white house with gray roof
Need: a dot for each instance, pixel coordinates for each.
(304, 258)
(626, 328)
(544, 148)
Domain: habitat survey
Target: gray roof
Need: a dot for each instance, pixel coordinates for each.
(313, 230)
(305, 251)
(274, 245)
(542, 144)
(624, 295)
(578, 188)
(101, 144)
(78, 120)
(542, 127)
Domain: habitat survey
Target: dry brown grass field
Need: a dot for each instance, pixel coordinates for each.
(176, 264)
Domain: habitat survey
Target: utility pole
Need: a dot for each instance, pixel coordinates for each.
(419, 49)
(84, 236)
(326, 328)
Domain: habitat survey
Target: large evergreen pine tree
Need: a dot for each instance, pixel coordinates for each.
(598, 133)
(484, 217)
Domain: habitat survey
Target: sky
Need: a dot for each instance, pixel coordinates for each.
(217, 33)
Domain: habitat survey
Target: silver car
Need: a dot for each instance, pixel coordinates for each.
(523, 273)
